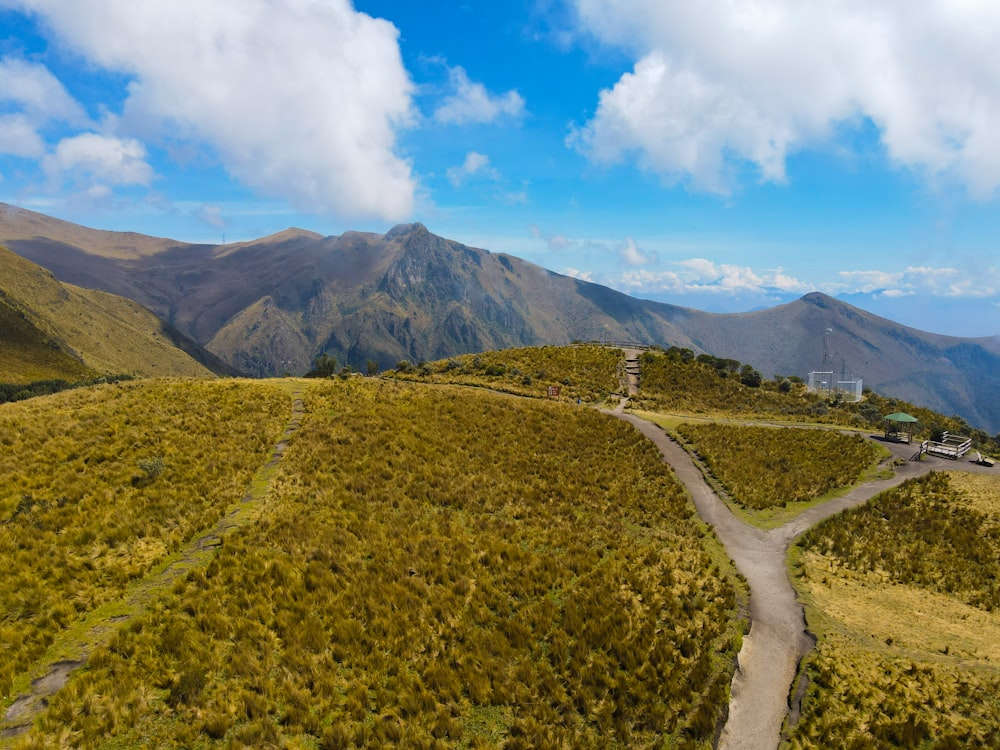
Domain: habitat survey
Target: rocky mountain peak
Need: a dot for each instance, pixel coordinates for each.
(402, 230)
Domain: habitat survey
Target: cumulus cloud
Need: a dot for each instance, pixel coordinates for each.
(475, 164)
(104, 160)
(37, 93)
(699, 275)
(300, 99)
(33, 98)
(717, 85)
(470, 102)
(19, 136)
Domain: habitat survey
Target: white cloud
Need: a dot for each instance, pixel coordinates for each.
(299, 99)
(19, 137)
(33, 97)
(552, 241)
(630, 254)
(577, 274)
(699, 275)
(923, 280)
(718, 84)
(37, 93)
(470, 102)
(474, 164)
(99, 158)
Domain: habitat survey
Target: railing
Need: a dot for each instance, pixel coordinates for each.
(617, 344)
(950, 446)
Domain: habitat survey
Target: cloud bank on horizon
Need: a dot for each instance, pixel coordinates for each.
(378, 111)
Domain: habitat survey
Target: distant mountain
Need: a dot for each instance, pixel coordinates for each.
(55, 330)
(271, 305)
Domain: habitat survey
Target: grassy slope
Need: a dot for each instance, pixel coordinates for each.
(589, 373)
(106, 333)
(437, 567)
(26, 354)
(903, 595)
(766, 467)
(80, 516)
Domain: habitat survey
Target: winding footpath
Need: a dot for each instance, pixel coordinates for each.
(778, 637)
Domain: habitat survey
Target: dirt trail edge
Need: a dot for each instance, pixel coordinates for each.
(65, 655)
(778, 638)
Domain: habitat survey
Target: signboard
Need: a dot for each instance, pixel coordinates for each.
(553, 391)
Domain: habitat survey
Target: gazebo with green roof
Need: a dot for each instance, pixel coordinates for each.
(899, 427)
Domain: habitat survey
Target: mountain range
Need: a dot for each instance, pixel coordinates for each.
(270, 306)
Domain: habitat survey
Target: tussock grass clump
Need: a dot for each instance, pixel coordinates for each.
(98, 485)
(920, 533)
(865, 698)
(438, 567)
(903, 595)
(589, 373)
(765, 467)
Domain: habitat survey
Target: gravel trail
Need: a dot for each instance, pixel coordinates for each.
(778, 638)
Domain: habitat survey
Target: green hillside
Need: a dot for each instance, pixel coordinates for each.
(57, 330)
(27, 354)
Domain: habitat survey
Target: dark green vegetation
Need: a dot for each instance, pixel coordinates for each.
(589, 373)
(80, 516)
(764, 467)
(905, 597)
(433, 567)
(21, 391)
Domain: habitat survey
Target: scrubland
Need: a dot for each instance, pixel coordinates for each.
(585, 372)
(904, 594)
(99, 485)
(439, 566)
(764, 467)
(432, 567)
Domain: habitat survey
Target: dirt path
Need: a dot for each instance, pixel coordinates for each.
(778, 638)
(62, 658)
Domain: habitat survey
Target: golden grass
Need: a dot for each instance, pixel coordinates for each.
(916, 621)
(433, 567)
(81, 519)
(585, 372)
(903, 664)
(980, 491)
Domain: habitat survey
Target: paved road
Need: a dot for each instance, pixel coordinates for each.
(778, 639)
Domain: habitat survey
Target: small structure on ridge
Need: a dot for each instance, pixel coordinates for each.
(899, 427)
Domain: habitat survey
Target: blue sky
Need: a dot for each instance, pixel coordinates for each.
(720, 155)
